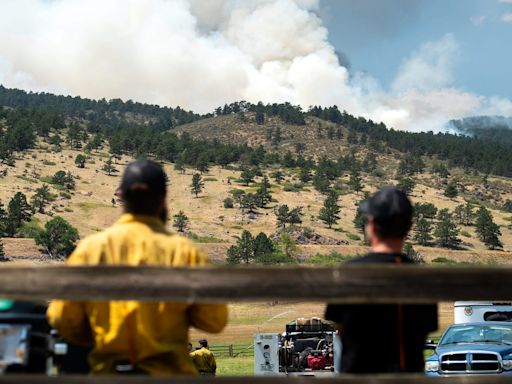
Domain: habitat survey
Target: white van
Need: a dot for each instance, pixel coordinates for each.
(478, 311)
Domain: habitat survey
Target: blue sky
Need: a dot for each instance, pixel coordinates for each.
(378, 35)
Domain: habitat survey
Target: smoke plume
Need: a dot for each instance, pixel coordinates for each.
(201, 54)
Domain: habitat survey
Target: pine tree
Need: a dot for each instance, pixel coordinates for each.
(19, 211)
(243, 251)
(263, 194)
(464, 214)
(282, 216)
(412, 254)
(406, 185)
(197, 184)
(180, 221)
(305, 175)
(249, 202)
(330, 133)
(276, 138)
(488, 231)
(59, 238)
(2, 251)
(369, 163)
(247, 176)
(263, 247)
(108, 167)
(42, 198)
(80, 161)
(295, 216)
(423, 231)
(441, 170)
(451, 190)
(3, 220)
(260, 118)
(202, 164)
(329, 214)
(355, 181)
(179, 165)
(278, 176)
(446, 232)
(359, 218)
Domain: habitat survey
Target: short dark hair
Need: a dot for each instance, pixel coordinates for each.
(391, 211)
(203, 343)
(142, 187)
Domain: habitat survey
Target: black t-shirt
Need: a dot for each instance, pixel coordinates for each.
(370, 333)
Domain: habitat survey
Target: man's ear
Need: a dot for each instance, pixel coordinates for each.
(369, 229)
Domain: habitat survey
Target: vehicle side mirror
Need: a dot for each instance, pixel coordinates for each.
(430, 345)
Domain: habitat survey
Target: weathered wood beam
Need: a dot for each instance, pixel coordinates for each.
(354, 284)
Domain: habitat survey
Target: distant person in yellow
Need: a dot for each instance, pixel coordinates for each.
(130, 336)
(204, 360)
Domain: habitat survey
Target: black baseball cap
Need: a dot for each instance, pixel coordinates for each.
(390, 209)
(143, 176)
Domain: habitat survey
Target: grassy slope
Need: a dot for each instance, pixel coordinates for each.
(90, 207)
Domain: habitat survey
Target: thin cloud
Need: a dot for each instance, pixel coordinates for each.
(507, 18)
(478, 20)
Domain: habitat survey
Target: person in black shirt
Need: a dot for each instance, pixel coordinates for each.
(384, 338)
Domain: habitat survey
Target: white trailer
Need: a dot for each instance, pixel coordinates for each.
(479, 311)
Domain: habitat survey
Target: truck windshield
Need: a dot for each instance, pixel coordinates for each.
(477, 334)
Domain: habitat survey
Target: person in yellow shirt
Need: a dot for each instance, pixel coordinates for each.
(204, 360)
(130, 336)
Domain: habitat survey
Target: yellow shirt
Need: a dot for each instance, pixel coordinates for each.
(154, 334)
(204, 360)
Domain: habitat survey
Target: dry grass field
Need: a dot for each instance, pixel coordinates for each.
(90, 208)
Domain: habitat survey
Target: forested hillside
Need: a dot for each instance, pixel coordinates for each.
(139, 129)
(251, 176)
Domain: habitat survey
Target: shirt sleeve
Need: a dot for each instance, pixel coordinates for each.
(69, 317)
(207, 317)
(335, 312)
(213, 363)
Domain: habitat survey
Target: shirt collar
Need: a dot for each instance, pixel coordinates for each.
(145, 219)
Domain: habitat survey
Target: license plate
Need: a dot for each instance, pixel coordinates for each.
(13, 344)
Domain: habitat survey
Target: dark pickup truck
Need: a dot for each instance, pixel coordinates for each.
(473, 349)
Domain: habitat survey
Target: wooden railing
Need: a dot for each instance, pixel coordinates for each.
(352, 284)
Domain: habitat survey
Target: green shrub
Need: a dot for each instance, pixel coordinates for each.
(210, 179)
(65, 195)
(444, 260)
(465, 234)
(228, 202)
(351, 236)
(205, 239)
(31, 229)
(333, 258)
(276, 258)
(295, 187)
(27, 179)
(49, 163)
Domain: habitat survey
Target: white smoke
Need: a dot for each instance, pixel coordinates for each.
(201, 54)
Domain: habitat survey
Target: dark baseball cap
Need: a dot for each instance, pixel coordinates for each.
(388, 206)
(143, 176)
